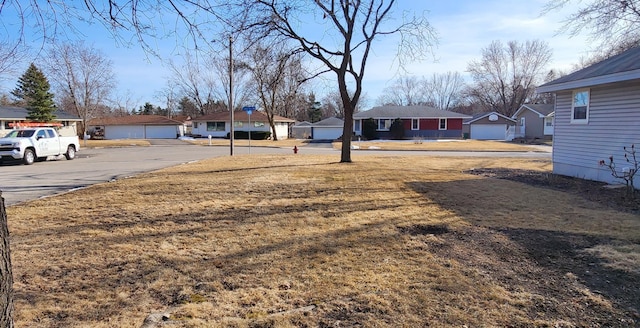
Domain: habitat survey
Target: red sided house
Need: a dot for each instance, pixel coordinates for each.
(419, 121)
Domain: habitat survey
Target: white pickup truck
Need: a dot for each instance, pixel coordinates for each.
(36, 144)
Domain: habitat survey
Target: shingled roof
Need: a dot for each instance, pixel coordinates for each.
(135, 120)
(19, 113)
(622, 67)
(392, 112)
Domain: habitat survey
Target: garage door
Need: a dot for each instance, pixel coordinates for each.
(327, 133)
(123, 132)
(161, 132)
(488, 131)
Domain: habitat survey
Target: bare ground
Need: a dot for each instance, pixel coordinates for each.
(561, 255)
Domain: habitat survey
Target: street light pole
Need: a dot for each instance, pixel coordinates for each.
(231, 129)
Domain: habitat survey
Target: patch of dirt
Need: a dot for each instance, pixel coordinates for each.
(556, 265)
(592, 190)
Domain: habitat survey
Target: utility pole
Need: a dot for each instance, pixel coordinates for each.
(231, 129)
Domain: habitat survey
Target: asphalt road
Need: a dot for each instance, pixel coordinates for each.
(20, 183)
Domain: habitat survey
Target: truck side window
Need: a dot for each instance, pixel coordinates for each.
(41, 134)
(50, 133)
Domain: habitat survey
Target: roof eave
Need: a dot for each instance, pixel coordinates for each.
(593, 81)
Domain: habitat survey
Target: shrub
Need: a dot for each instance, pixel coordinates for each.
(628, 172)
(369, 128)
(397, 129)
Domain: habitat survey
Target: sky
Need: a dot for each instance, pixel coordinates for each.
(464, 28)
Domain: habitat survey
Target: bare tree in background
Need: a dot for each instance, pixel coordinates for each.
(405, 91)
(331, 104)
(444, 91)
(506, 76)
(10, 56)
(277, 74)
(614, 23)
(343, 47)
(194, 82)
(83, 75)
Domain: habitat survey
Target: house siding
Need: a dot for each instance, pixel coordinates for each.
(534, 124)
(614, 113)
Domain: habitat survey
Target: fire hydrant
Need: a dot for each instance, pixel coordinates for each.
(295, 149)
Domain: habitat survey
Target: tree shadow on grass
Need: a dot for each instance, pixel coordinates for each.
(550, 229)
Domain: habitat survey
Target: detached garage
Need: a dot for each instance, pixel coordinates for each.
(327, 129)
(488, 126)
(138, 127)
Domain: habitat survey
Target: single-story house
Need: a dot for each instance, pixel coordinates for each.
(418, 121)
(597, 113)
(327, 129)
(11, 117)
(137, 127)
(534, 121)
(488, 126)
(301, 130)
(217, 125)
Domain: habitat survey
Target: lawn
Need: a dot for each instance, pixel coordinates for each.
(304, 241)
(436, 145)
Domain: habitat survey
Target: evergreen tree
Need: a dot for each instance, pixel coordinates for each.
(33, 92)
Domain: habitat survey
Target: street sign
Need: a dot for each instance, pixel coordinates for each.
(248, 109)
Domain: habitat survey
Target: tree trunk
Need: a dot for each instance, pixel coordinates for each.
(6, 277)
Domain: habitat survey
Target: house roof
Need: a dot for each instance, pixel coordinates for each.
(541, 109)
(135, 120)
(329, 122)
(480, 116)
(622, 67)
(392, 112)
(19, 113)
(302, 124)
(256, 116)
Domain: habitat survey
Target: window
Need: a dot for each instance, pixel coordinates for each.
(357, 125)
(384, 124)
(258, 124)
(415, 124)
(215, 126)
(580, 107)
(548, 121)
(195, 125)
(443, 124)
(238, 124)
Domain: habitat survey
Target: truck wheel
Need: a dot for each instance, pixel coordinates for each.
(29, 157)
(71, 152)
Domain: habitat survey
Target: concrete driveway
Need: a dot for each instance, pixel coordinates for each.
(20, 183)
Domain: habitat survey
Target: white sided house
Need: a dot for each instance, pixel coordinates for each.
(217, 125)
(597, 113)
(14, 117)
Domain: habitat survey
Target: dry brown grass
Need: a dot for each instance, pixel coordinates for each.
(286, 143)
(113, 143)
(441, 145)
(295, 241)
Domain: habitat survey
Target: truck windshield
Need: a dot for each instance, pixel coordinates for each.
(20, 134)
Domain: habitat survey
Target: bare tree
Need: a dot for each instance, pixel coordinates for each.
(350, 28)
(506, 76)
(405, 91)
(82, 75)
(331, 104)
(193, 81)
(10, 56)
(615, 23)
(444, 91)
(6, 276)
(277, 73)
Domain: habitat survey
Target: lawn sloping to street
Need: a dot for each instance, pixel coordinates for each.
(295, 241)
